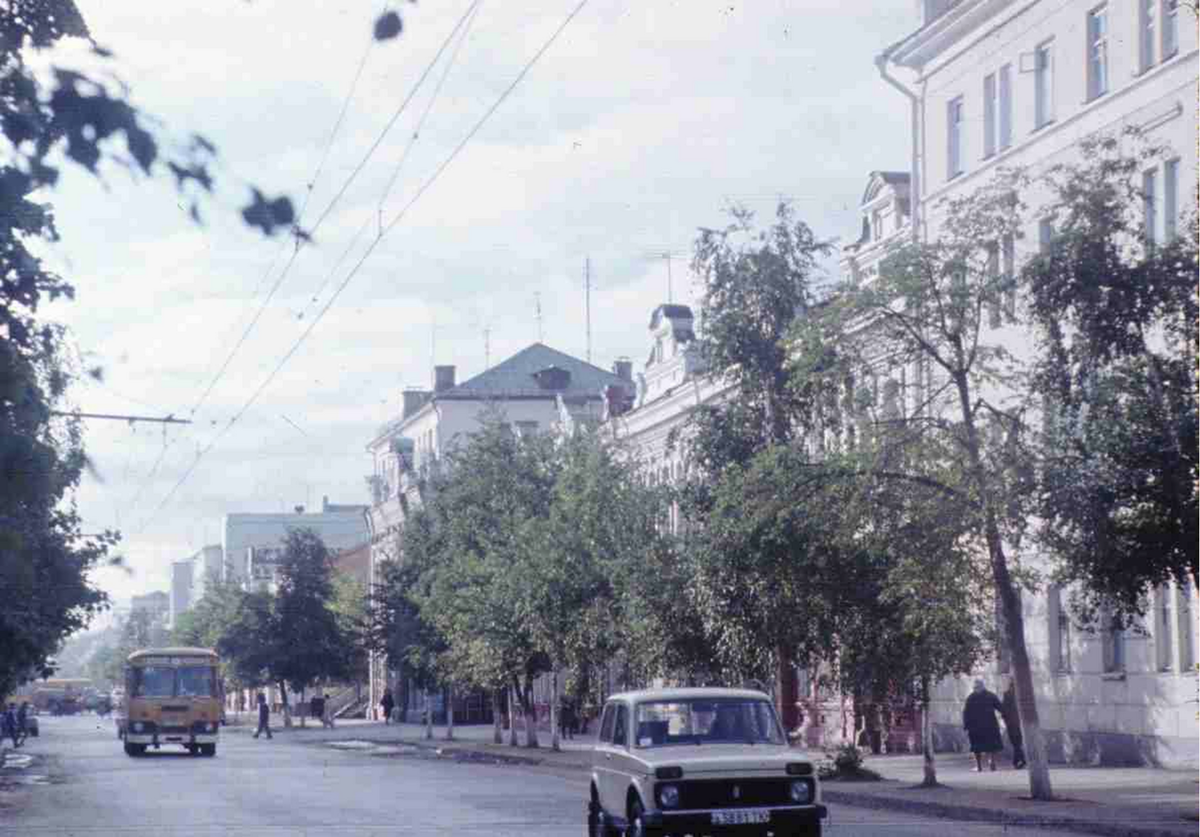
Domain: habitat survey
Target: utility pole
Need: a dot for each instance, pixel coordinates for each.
(537, 312)
(587, 303)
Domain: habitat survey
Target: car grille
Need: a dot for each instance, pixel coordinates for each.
(721, 793)
(173, 730)
(175, 708)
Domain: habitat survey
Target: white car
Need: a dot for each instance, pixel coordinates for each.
(701, 762)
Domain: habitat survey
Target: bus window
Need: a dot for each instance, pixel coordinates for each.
(154, 681)
(197, 681)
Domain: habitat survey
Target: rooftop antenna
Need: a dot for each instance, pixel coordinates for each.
(587, 303)
(537, 312)
(667, 256)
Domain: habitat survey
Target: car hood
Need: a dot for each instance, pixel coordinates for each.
(722, 758)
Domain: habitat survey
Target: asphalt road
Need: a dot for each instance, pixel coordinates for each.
(80, 782)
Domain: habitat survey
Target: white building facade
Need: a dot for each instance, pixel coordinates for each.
(181, 590)
(1003, 83)
(537, 390)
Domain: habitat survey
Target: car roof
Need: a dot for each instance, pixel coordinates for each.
(692, 693)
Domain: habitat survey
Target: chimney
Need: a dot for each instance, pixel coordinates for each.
(414, 399)
(324, 503)
(299, 509)
(623, 369)
(443, 378)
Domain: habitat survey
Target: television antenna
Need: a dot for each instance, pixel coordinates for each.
(667, 256)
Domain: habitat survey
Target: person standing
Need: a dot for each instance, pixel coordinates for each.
(1012, 723)
(566, 720)
(386, 704)
(10, 725)
(326, 715)
(264, 717)
(979, 720)
(22, 721)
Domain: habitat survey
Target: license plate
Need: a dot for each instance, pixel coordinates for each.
(746, 816)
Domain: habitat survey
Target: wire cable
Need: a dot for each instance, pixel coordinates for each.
(358, 265)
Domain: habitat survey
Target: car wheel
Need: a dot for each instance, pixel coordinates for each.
(134, 749)
(637, 820)
(597, 821)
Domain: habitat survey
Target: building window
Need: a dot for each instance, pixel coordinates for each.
(1150, 204)
(989, 115)
(1008, 258)
(1043, 84)
(1045, 234)
(1183, 613)
(954, 121)
(1170, 28)
(1060, 632)
(1170, 199)
(993, 279)
(1113, 641)
(1163, 624)
(1097, 30)
(1005, 120)
(877, 225)
(1146, 22)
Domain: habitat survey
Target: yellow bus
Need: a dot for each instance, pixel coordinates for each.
(172, 696)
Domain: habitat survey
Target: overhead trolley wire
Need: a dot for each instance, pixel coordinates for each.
(383, 231)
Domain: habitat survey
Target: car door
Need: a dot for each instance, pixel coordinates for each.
(618, 763)
(604, 760)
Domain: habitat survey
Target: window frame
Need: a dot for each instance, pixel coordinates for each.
(1169, 25)
(991, 127)
(1043, 84)
(955, 110)
(1170, 199)
(1004, 104)
(1150, 205)
(1096, 29)
(1148, 42)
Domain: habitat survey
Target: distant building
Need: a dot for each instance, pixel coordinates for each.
(355, 563)
(339, 527)
(157, 604)
(181, 590)
(207, 565)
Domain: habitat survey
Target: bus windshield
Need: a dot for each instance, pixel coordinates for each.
(158, 681)
(154, 681)
(197, 681)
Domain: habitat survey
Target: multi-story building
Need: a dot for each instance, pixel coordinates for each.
(181, 590)
(339, 526)
(1005, 84)
(157, 604)
(539, 389)
(207, 566)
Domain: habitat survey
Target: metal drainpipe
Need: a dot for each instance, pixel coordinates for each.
(914, 175)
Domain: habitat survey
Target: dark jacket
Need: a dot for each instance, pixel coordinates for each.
(979, 719)
(1011, 716)
(264, 711)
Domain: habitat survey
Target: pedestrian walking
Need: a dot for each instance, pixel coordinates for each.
(386, 704)
(10, 725)
(326, 715)
(22, 721)
(979, 720)
(1012, 723)
(566, 720)
(264, 717)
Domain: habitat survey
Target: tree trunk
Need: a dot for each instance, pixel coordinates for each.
(1010, 600)
(497, 737)
(428, 715)
(927, 762)
(554, 742)
(303, 709)
(512, 716)
(786, 677)
(449, 713)
(527, 704)
(287, 709)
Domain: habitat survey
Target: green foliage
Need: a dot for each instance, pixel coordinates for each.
(309, 639)
(1116, 366)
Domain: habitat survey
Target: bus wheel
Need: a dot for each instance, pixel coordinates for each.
(208, 749)
(134, 749)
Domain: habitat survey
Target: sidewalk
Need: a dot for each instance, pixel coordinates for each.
(1134, 801)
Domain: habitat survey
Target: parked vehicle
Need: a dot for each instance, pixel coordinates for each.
(699, 761)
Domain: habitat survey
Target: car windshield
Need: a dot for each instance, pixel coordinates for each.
(707, 721)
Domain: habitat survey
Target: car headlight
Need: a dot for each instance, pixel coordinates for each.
(801, 791)
(137, 726)
(668, 795)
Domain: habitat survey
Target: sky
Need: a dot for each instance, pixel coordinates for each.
(641, 123)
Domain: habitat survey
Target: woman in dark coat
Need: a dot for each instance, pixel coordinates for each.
(386, 705)
(979, 720)
(1012, 723)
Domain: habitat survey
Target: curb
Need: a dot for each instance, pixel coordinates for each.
(972, 813)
